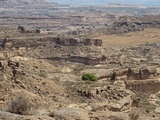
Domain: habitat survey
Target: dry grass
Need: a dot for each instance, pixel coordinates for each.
(147, 106)
(150, 35)
(43, 74)
(134, 114)
(22, 104)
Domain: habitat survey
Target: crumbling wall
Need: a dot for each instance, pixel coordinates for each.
(67, 41)
(95, 42)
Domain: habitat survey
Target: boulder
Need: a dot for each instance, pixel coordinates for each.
(144, 86)
(2, 57)
(3, 77)
(21, 29)
(13, 64)
(121, 105)
(3, 65)
(38, 31)
(87, 42)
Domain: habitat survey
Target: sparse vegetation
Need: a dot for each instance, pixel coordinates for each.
(147, 105)
(21, 105)
(79, 62)
(42, 74)
(89, 77)
(134, 114)
(157, 102)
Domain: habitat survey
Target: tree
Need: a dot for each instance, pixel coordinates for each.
(89, 77)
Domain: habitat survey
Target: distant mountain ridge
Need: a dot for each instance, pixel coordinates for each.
(104, 2)
(23, 1)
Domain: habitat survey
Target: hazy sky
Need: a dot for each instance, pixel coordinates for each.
(102, 2)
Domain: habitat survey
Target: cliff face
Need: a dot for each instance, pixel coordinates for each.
(144, 86)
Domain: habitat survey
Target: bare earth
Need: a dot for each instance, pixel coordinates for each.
(148, 35)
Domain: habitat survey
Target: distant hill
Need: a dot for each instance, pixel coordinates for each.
(23, 1)
(103, 2)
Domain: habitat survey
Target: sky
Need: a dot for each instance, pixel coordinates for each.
(103, 2)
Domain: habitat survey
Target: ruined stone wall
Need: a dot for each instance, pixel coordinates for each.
(67, 41)
(95, 42)
(74, 42)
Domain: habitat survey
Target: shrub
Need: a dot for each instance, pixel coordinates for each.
(134, 114)
(21, 105)
(89, 77)
(42, 74)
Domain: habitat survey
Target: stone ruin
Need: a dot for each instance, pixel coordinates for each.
(95, 42)
(75, 42)
(67, 41)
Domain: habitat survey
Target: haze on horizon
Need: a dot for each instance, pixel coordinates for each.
(103, 2)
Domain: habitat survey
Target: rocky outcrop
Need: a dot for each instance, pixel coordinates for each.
(141, 73)
(108, 97)
(146, 86)
(85, 60)
(137, 73)
(121, 105)
(130, 73)
(105, 93)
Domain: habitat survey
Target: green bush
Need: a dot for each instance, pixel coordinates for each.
(89, 77)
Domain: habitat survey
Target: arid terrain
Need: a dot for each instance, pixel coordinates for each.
(47, 48)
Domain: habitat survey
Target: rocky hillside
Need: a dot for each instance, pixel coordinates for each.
(127, 24)
(50, 75)
(32, 88)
